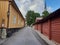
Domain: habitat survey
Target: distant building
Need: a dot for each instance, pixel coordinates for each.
(38, 19)
(11, 18)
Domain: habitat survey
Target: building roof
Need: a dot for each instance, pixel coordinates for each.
(55, 14)
(16, 7)
(39, 18)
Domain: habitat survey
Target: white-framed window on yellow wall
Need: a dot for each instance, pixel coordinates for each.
(14, 19)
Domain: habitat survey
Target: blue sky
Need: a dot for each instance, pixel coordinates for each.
(37, 5)
(54, 4)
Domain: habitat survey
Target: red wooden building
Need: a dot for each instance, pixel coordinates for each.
(50, 26)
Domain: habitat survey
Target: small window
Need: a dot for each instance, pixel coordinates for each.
(14, 20)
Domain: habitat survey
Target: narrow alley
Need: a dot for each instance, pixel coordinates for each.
(25, 36)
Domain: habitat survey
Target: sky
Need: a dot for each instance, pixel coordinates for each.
(37, 5)
(53, 4)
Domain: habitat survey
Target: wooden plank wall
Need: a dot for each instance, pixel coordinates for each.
(51, 29)
(13, 13)
(3, 12)
(39, 27)
(45, 28)
(55, 29)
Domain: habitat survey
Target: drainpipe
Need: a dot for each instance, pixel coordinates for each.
(8, 14)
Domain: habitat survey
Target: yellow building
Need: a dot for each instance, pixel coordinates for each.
(11, 18)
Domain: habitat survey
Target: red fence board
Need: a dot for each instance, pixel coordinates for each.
(50, 28)
(45, 28)
(55, 27)
(39, 27)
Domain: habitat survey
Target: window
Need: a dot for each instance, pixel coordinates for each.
(14, 20)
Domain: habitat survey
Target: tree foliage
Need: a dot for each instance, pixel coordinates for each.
(45, 13)
(31, 17)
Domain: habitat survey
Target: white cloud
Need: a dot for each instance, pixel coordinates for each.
(49, 9)
(35, 5)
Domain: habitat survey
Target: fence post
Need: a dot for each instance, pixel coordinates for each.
(41, 28)
(49, 29)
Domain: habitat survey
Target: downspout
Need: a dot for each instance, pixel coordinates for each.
(8, 14)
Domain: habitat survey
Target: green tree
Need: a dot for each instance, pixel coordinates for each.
(45, 13)
(31, 17)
